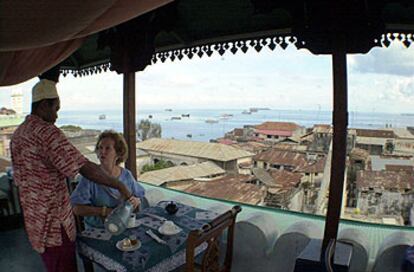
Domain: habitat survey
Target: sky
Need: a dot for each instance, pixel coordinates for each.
(380, 81)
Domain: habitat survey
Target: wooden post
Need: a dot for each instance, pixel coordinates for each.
(129, 121)
(340, 123)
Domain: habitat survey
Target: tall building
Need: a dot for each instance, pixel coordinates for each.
(17, 102)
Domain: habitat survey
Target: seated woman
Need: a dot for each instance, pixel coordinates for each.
(96, 201)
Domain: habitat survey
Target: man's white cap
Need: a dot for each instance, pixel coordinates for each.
(44, 89)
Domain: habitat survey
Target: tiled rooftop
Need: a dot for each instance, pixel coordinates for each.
(375, 133)
(231, 187)
(384, 180)
(280, 157)
(179, 173)
(212, 151)
(286, 126)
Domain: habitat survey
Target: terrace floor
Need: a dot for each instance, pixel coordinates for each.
(265, 238)
(17, 254)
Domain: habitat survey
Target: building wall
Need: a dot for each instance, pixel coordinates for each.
(296, 201)
(381, 202)
(404, 146)
(372, 149)
(175, 159)
(291, 200)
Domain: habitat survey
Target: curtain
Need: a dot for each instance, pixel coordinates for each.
(35, 35)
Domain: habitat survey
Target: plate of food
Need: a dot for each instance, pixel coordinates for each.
(128, 244)
(169, 228)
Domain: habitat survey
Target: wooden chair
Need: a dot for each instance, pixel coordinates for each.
(211, 234)
(80, 226)
(4, 204)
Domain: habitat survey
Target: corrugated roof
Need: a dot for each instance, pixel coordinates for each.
(253, 147)
(375, 133)
(212, 151)
(313, 167)
(399, 168)
(282, 157)
(285, 180)
(178, 173)
(384, 180)
(290, 146)
(287, 126)
(231, 187)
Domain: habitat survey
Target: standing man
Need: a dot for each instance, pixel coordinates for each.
(42, 159)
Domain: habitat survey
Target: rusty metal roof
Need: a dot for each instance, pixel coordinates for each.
(283, 179)
(180, 173)
(313, 167)
(377, 133)
(212, 151)
(282, 157)
(286, 126)
(384, 180)
(253, 147)
(230, 187)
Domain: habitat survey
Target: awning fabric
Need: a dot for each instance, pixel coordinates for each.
(36, 35)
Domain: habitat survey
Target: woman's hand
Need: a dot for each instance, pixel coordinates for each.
(135, 202)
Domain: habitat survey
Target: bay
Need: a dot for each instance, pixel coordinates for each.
(196, 125)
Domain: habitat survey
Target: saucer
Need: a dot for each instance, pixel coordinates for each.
(165, 231)
(137, 223)
(130, 248)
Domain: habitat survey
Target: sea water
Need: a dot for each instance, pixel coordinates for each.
(196, 128)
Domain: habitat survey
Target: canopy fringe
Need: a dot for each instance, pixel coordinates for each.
(258, 44)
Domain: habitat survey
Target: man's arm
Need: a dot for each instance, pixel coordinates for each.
(94, 173)
(86, 210)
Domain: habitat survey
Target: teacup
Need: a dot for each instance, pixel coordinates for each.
(131, 220)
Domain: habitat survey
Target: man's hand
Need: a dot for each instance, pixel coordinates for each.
(135, 202)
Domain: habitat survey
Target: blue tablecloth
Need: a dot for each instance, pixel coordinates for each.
(151, 256)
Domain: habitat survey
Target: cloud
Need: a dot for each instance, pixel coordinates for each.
(406, 88)
(395, 60)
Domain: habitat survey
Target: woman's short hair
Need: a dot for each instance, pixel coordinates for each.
(120, 144)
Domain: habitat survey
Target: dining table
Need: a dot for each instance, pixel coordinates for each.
(99, 246)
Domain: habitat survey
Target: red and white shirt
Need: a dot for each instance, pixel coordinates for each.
(42, 159)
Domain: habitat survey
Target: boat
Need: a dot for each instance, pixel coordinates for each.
(211, 121)
(189, 135)
(246, 112)
(185, 115)
(168, 109)
(226, 115)
(102, 117)
(150, 116)
(176, 118)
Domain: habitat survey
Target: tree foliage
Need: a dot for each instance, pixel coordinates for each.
(146, 130)
(70, 128)
(389, 146)
(156, 166)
